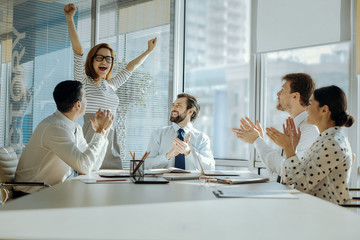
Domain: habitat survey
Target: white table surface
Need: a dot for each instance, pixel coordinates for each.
(179, 210)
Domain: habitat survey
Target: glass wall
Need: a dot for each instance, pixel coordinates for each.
(217, 69)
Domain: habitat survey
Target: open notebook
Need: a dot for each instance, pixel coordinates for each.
(169, 170)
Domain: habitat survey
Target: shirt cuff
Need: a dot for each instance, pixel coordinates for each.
(259, 142)
(98, 137)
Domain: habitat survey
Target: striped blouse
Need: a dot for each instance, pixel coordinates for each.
(101, 95)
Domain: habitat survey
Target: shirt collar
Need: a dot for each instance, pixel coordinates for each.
(186, 128)
(71, 124)
(300, 118)
(330, 131)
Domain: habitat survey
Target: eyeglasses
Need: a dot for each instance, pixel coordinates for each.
(100, 58)
(212, 181)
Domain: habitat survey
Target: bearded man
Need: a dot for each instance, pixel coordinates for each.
(171, 146)
(293, 98)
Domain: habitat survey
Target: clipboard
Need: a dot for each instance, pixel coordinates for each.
(235, 193)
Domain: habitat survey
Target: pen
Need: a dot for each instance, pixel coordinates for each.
(141, 161)
(111, 180)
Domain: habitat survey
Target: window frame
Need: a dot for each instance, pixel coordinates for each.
(180, 81)
(257, 77)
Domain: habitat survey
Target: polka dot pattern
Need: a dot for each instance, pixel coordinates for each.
(323, 171)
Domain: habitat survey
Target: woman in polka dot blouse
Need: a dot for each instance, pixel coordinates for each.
(324, 167)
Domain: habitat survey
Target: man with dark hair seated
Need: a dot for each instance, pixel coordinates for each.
(170, 146)
(57, 149)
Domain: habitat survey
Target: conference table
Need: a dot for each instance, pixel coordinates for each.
(177, 210)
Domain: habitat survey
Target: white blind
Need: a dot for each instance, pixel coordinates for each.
(35, 56)
(5, 56)
(44, 57)
(127, 26)
(286, 24)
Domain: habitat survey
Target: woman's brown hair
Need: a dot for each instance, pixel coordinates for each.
(89, 68)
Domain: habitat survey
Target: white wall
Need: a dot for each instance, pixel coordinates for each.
(285, 24)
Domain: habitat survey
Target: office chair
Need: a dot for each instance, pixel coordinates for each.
(8, 164)
(353, 202)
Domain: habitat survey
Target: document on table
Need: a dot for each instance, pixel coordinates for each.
(233, 193)
(95, 181)
(169, 170)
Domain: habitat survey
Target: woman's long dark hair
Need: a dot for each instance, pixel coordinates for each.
(335, 99)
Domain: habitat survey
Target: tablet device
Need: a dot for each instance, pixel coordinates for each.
(149, 180)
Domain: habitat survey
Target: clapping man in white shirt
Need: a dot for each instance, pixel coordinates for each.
(57, 149)
(175, 145)
(293, 98)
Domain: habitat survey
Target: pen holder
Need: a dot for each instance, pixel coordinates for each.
(136, 168)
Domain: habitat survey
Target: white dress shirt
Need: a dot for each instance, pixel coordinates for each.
(56, 148)
(160, 145)
(272, 158)
(324, 168)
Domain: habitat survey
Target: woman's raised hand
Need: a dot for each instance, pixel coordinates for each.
(152, 44)
(70, 10)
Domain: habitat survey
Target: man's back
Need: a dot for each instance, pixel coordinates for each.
(38, 161)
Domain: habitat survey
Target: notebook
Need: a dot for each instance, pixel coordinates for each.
(244, 178)
(169, 170)
(181, 176)
(215, 172)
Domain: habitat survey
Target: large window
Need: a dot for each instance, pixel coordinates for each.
(42, 57)
(36, 55)
(328, 65)
(217, 69)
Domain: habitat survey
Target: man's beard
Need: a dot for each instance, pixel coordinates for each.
(279, 107)
(178, 118)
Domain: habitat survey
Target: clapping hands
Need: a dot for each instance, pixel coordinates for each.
(248, 131)
(287, 140)
(179, 147)
(103, 121)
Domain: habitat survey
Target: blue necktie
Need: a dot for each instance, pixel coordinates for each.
(180, 158)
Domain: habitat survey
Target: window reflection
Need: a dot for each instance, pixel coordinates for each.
(217, 69)
(327, 65)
